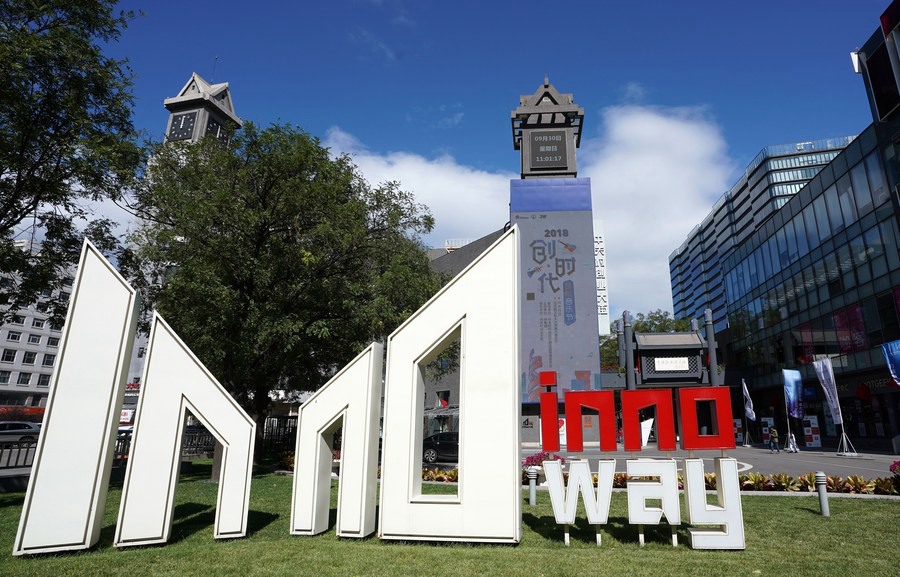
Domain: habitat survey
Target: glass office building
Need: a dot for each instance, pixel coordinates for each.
(775, 175)
(818, 275)
(822, 278)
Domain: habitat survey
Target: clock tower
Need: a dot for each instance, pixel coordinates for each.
(201, 109)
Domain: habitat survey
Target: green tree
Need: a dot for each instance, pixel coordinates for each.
(275, 262)
(658, 321)
(66, 137)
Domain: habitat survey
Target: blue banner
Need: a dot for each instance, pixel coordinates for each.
(792, 392)
(892, 356)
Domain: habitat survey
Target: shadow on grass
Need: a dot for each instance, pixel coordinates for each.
(258, 520)
(190, 518)
(617, 528)
(195, 471)
(16, 500)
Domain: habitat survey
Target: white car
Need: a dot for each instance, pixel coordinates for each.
(19, 431)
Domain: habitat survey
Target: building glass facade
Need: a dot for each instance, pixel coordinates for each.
(822, 278)
(775, 175)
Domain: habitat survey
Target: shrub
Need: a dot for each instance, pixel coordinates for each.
(856, 484)
(835, 484)
(784, 482)
(807, 482)
(710, 481)
(755, 482)
(884, 486)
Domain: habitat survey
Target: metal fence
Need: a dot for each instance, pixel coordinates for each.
(20, 454)
(17, 454)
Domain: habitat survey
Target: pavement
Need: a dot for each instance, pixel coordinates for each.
(757, 459)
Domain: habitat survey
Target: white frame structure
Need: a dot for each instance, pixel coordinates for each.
(351, 399)
(66, 497)
(174, 382)
(482, 304)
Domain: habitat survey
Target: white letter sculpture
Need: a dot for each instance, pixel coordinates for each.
(727, 513)
(665, 489)
(174, 382)
(564, 498)
(66, 496)
(481, 305)
(352, 397)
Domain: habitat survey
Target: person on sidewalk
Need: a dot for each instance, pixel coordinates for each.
(773, 440)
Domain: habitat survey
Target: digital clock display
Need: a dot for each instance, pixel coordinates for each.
(548, 149)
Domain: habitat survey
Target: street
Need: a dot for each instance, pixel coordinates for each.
(758, 459)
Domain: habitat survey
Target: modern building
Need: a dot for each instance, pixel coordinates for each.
(820, 277)
(29, 345)
(775, 175)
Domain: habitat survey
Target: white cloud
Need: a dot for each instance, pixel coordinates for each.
(655, 173)
(466, 203)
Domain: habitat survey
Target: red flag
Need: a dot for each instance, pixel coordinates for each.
(863, 392)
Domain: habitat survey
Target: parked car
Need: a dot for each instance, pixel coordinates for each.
(442, 447)
(19, 431)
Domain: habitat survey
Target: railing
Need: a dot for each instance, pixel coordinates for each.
(20, 454)
(193, 444)
(17, 454)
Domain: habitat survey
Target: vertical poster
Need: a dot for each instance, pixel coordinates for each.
(559, 291)
(811, 433)
(738, 431)
(767, 423)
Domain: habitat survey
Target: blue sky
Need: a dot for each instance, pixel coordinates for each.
(678, 96)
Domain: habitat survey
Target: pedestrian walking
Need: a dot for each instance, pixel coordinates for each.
(773, 440)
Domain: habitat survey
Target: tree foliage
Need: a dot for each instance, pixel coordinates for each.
(66, 136)
(275, 262)
(658, 321)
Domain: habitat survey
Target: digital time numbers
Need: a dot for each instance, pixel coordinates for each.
(548, 149)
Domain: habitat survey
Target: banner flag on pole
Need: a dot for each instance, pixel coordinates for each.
(826, 378)
(891, 352)
(748, 404)
(792, 400)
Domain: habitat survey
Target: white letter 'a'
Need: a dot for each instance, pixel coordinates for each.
(352, 399)
(482, 303)
(174, 382)
(66, 496)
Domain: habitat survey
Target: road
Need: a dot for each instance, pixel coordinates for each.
(760, 460)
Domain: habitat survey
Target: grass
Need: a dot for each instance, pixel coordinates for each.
(784, 535)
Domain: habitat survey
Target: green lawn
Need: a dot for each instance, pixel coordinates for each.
(786, 536)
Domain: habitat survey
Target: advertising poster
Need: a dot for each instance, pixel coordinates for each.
(811, 432)
(559, 291)
(738, 431)
(767, 423)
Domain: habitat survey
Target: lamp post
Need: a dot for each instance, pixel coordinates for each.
(711, 346)
(627, 322)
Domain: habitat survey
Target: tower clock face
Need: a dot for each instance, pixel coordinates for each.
(214, 128)
(182, 127)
